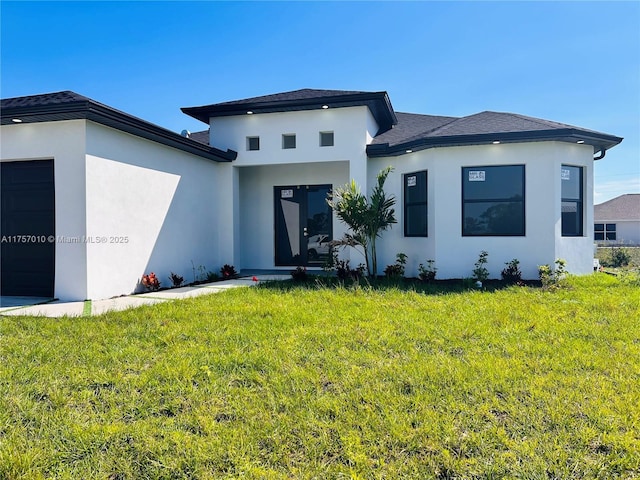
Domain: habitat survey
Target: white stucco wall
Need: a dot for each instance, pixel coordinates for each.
(577, 251)
(455, 254)
(627, 232)
(64, 142)
(257, 205)
(350, 126)
(244, 188)
(155, 205)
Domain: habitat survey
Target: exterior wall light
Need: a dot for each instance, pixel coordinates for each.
(325, 107)
(496, 142)
(249, 112)
(16, 120)
(580, 141)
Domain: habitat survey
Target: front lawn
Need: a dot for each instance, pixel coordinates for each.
(308, 382)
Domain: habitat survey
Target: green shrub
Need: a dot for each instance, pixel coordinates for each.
(480, 272)
(618, 257)
(512, 273)
(428, 273)
(299, 274)
(553, 278)
(397, 269)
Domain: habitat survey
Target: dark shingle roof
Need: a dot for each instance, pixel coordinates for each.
(67, 105)
(297, 100)
(45, 99)
(295, 95)
(200, 137)
(624, 207)
(480, 128)
(411, 125)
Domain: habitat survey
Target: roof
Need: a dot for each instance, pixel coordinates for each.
(403, 132)
(201, 137)
(68, 105)
(418, 132)
(624, 207)
(298, 100)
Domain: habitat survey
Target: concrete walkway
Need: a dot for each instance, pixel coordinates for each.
(12, 306)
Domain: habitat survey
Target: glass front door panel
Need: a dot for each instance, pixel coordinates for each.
(302, 225)
(318, 229)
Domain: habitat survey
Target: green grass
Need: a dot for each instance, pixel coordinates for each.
(309, 382)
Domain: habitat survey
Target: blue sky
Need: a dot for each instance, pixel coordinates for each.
(572, 62)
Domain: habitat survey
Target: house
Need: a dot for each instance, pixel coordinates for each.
(617, 221)
(121, 197)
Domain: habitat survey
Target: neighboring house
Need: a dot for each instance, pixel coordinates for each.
(141, 198)
(617, 221)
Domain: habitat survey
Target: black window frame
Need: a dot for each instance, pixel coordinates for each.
(605, 232)
(285, 138)
(324, 136)
(249, 143)
(408, 204)
(579, 202)
(497, 199)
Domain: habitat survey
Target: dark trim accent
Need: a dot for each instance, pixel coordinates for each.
(603, 152)
(406, 204)
(578, 201)
(303, 203)
(599, 141)
(104, 115)
(523, 201)
(378, 103)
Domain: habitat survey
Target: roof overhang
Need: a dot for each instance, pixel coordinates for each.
(104, 115)
(377, 102)
(599, 141)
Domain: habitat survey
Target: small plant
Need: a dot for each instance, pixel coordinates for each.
(228, 271)
(480, 273)
(512, 273)
(397, 269)
(199, 273)
(553, 278)
(299, 274)
(344, 270)
(150, 281)
(428, 273)
(618, 257)
(176, 280)
(212, 277)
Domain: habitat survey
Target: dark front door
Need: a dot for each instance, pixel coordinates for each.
(302, 225)
(27, 228)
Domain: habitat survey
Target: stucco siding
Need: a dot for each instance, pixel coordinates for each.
(257, 205)
(577, 251)
(152, 207)
(628, 233)
(455, 254)
(64, 142)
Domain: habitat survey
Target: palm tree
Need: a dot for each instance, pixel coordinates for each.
(366, 219)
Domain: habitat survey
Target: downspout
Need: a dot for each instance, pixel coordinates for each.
(603, 152)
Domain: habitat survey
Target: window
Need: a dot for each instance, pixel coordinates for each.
(253, 143)
(289, 141)
(604, 231)
(415, 204)
(571, 179)
(493, 201)
(326, 139)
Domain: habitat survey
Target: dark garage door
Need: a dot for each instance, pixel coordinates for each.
(27, 221)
